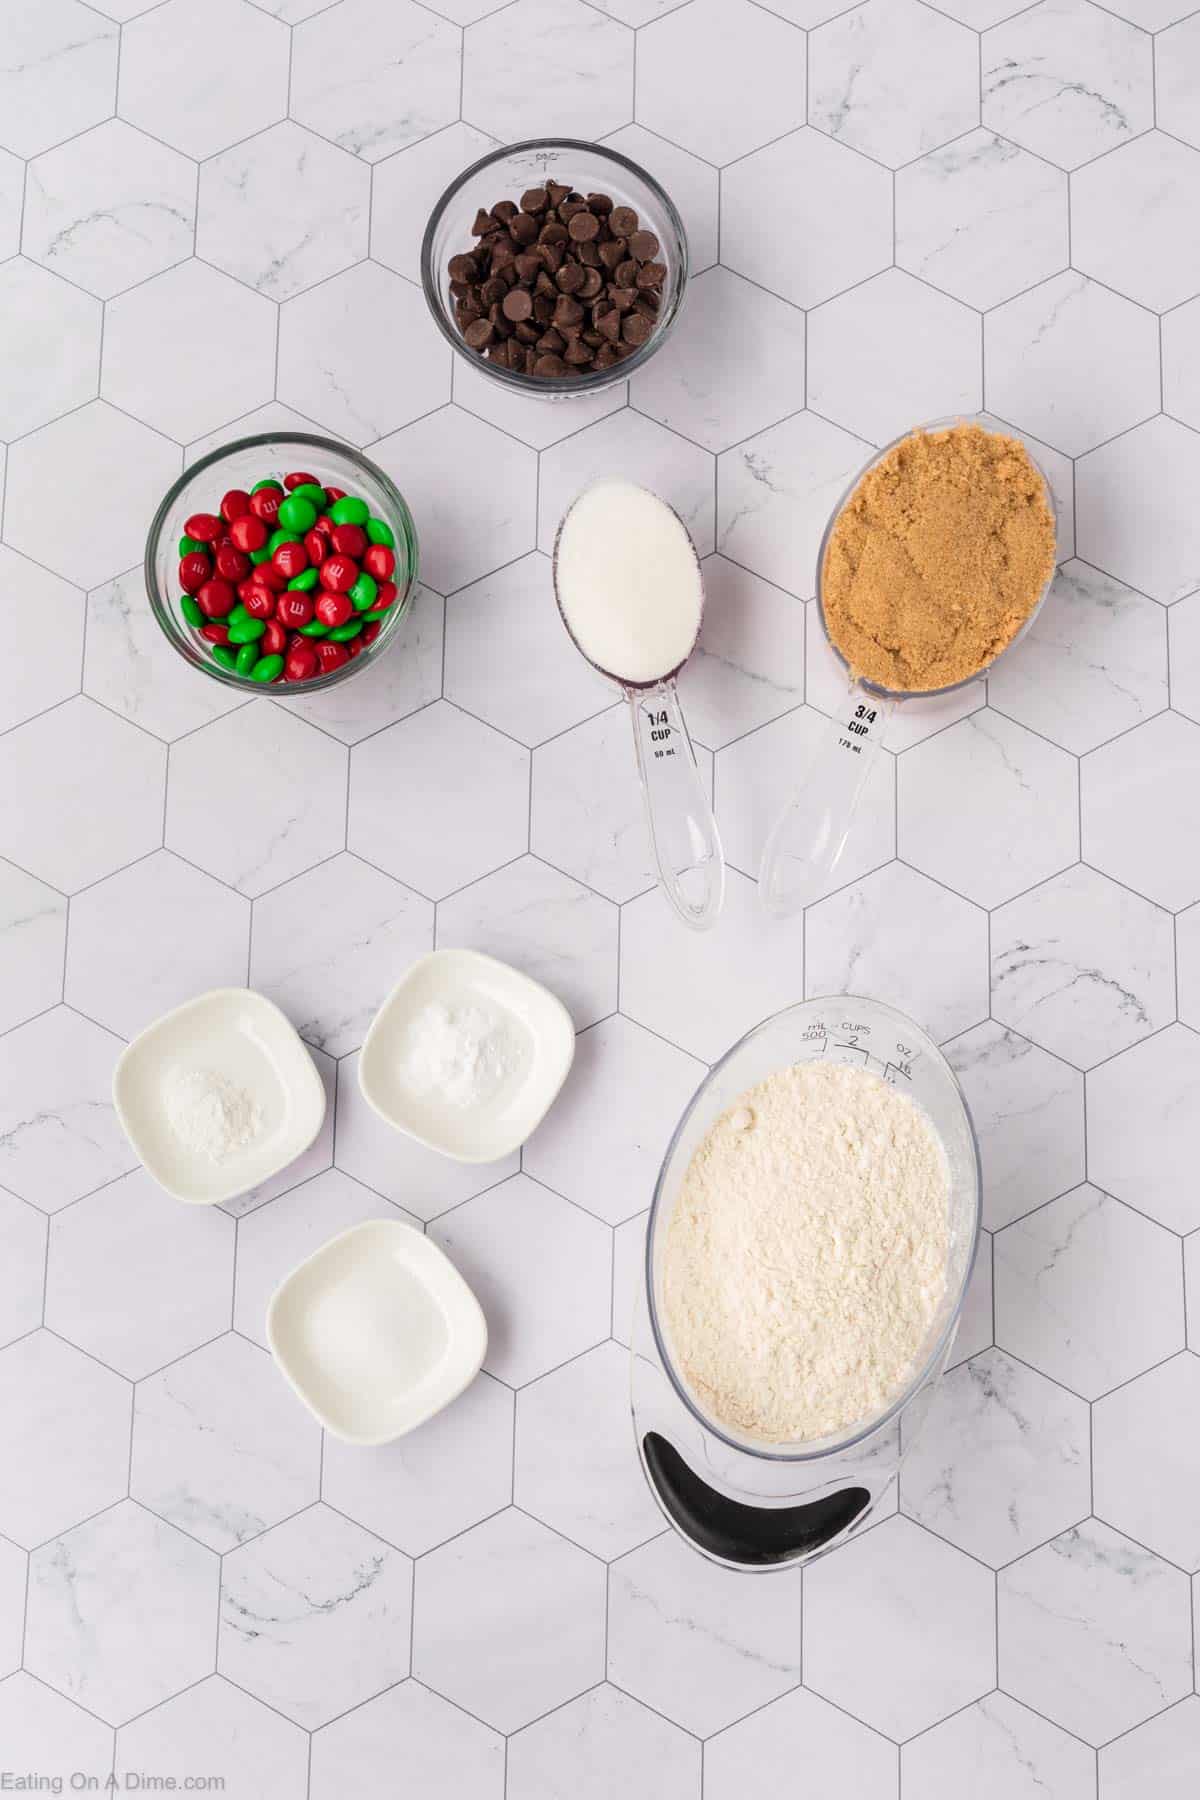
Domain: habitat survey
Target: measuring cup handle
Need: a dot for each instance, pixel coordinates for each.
(683, 832)
(807, 839)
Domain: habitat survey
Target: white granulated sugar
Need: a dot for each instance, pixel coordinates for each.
(806, 1255)
(208, 1114)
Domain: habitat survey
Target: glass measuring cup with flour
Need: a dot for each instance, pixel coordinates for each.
(628, 584)
(935, 561)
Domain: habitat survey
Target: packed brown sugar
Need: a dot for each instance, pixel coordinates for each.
(938, 558)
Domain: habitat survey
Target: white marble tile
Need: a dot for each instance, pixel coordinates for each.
(622, 1098)
(129, 665)
(329, 945)
(218, 1449)
(1072, 362)
(117, 471)
(691, 183)
(1094, 1632)
(1131, 221)
(12, 194)
(540, 1269)
(748, 665)
(215, 1731)
(1027, 1108)
(1151, 15)
(898, 1628)
(33, 925)
(1147, 1469)
(1082, 966)
(1183, 625)
(109, 208)
(509, 1620)
(22, 1266)
(1187, 955)
(168, 1275)
(892, 353)
(800, 1731)
(1126, 789)
(644, 452)
(698, 1642)
(997, 1750)
(1141, 1126)
(44, 1734)
(64, 1422)
(867, 940)
(50, 352)
(1001, 1462)
(611, 1744)
(981, 218)
(974, 1333)
(407, 678)
(538, 420)
(440, 1749)
(547, 68)
(574, 1466)
(1132, 517)
(692, 387)
(121, 1612)
(629, 1277)
(59, 1136)
(313, 1161)
(728, 48)
(435, 1482)
(1165, 1752)
(229, 59)
(1088, 1291)
(775, 495)
(406, 187)
(298, 818)
(1177, 76)
(315, 1616)
(13, 1588)
(1067, 81)
(272, 416)
(510, 660)
(893, 83)
(1191, 1282)
(59, 76)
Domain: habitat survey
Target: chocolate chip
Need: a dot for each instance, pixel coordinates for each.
(553, 232)
(524, 228)
(592, 284)
(463, 268)
(502, 253)
(556, 192)
(493, 291)
(479, 333)
(625, 274)
(584, 226)
(636, 329)
(605, 357)
(570, 278)
(612, 252)
(483, 222)
(622, 220)
(549, 365)
(551, 342)
(622, 298)
(643, 245)
(568, 311)
(504, 210)
(574, 204)
(534, 200)
(527, 333)
(518, 304)
(528, 266)
(609, 325)
(652, 274)
(600, 204)
(543, 310)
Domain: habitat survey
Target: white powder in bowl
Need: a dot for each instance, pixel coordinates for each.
(806, 1256)
(208, 1114)
(461, 1055)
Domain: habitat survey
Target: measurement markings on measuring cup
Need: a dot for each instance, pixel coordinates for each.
(858, 729)
(657, 723)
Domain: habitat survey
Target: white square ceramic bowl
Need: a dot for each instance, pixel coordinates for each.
(539, 1021)
(376, 1331)
(245, 1038)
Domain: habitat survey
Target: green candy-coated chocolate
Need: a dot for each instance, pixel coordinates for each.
(364, 592)
(297, 515)
(247, 631)
(314, 628)
(191, 610)
(381, 612)
(267, 481)
(380, 533)
(187, 545)
(341, 634)
(281, 537)
(267, 668)
(349, 510)
(260, 556)
(301, 583)
(236, 614)
(316, 496)
(222, 654)
(247, 656)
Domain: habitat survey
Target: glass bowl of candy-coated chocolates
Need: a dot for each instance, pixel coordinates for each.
(281, 562)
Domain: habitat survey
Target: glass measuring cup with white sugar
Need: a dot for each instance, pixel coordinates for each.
(628, 585)
(806, 842)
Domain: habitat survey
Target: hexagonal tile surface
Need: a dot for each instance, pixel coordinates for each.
(890, 352)
(691, 387)
(442, 1478)
(52, 1153)
(695, 1642)
(60, 75)
(406, 187)
(121, 1612)
(312, 1161)
(44, 1732)
(540, 1269)
(644, 452)
(218, 1450)
(1184, 633)
(1072, 362)
(1177, 64)
(776, 492)
(1094, 1632)
(1165, 1750)
(216, 1728)
(1130, 217)
(1133, 519)
(130, 667)
(110, 208)
(800, 1730)
(13, 1589)
(692, 184)
(981, 219)
(33, 923)
(998, 1750)
(65, 1423)
(1187, 952)
(1088, 1291)
(1145, 1468)
(169, 1284)
(1123, 833)
(509, 1620)
(898, 1628)
(1002, 1460)
(1028, 1113)
(45, 637)
(748, 664)
(12, 193)
(315, 1616)
(50, 356)
(552, 43)
(1067, 81)
(227, 57)
(298, 818)
(872, 82)
(409, 1728)
(22, 1267)
(616, 1742)
(353, 103)
(727, 47)
(402, 682)
(1140, 1124)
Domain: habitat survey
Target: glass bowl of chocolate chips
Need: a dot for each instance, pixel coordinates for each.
(556, 267)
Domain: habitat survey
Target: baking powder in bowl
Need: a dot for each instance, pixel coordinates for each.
(806, 1256)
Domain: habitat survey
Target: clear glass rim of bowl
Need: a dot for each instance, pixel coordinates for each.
(514, 379)
(877, 456)
(175, 629)
(832, 1446)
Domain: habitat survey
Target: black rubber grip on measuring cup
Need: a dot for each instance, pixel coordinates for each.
(755, 1536)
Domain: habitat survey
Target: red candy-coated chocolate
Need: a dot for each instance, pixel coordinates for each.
(194, 571)
(338, 574)
(369, 633)
(300, 663)
(316, 545)
(356, 647)
(299, 480)
(259, 602)
(235, 505)
(349, 540)
(266, 503)
(215, 598)
(336, 493)
(385, 596)
(216, 634)
(295, 609)
(379, 562)
(290, 560)
(232, 563)
(206, 527)
(331, 656)
(273, 641)
(324, 525)
(334, 609)
(248, 533)
(270, 576)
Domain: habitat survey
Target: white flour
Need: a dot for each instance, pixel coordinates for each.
(461, 1054)
(208, 1114)
(806, 1255)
